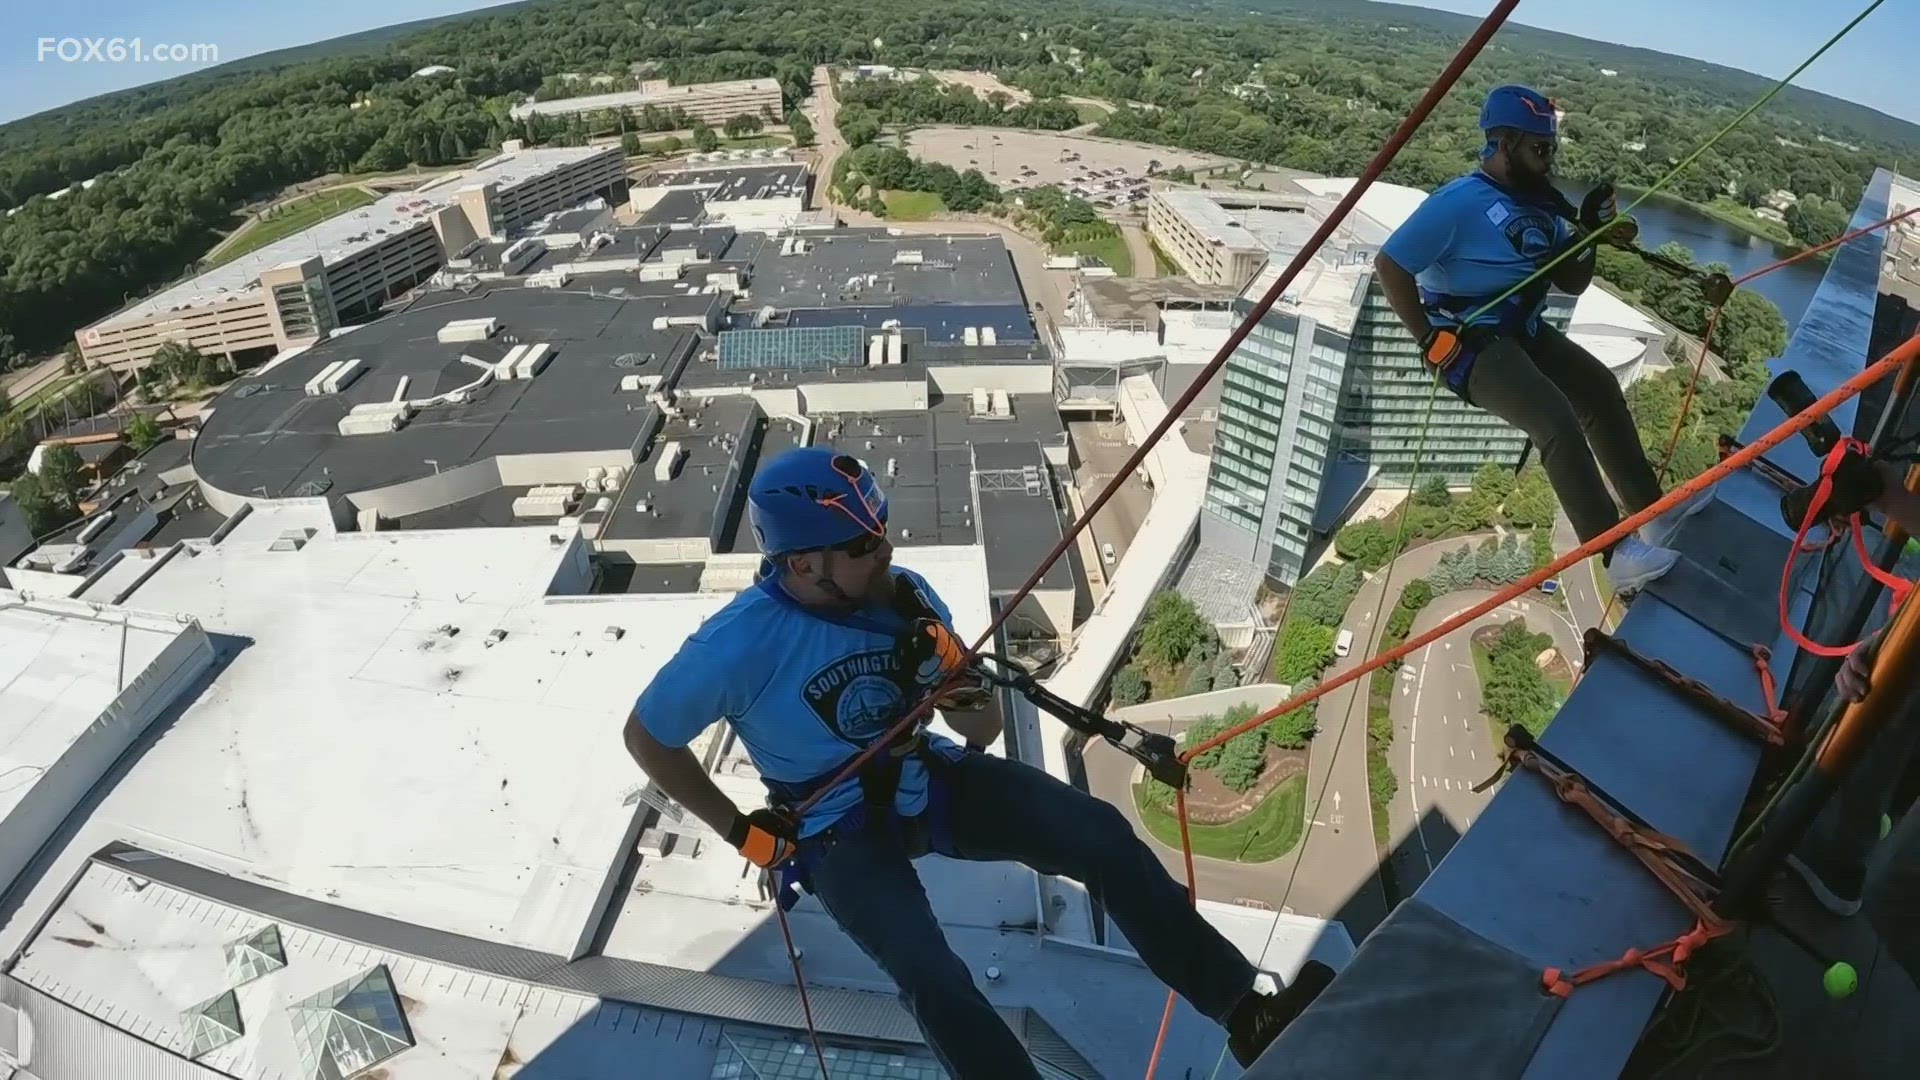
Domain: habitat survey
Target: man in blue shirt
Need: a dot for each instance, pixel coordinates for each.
(829, 650)
(1448, 270)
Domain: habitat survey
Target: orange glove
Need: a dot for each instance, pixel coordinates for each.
(766, 838)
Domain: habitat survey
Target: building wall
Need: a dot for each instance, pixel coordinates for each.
(1203, 260)
(223, 328)
(429, 492)
(64, 784)
(902, 396)
(709, 103)
(360, 283)
(1295, 397)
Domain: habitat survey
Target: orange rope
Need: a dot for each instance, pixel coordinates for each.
(1706, 344)
(1906, 352)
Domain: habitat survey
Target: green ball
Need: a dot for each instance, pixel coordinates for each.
(1841, 980)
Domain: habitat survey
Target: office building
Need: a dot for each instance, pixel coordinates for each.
(712, 103)
(1328, 395)
(301, 287)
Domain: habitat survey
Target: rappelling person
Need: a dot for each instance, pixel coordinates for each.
(1467, 244)
(831, 648)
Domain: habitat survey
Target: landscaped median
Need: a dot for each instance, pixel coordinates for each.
(1246, 799)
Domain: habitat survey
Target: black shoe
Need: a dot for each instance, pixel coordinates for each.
(1260, 1018)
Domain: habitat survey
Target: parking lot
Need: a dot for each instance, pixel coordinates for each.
(1014, 158)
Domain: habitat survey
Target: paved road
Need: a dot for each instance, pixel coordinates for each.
(1442, 744)
(823, 111)
(1144, 265)
(1585, 599)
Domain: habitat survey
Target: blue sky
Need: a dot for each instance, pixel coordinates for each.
(1764, 36)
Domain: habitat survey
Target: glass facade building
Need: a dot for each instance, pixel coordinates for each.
(1301, 401)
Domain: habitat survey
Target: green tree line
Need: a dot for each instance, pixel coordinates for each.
(175, 160)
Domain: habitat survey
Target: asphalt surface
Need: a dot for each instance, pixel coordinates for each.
(1585, 599)
(822, 109)
(1442, 744)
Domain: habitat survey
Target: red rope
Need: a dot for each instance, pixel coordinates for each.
(1305, 256)
(806, 1006)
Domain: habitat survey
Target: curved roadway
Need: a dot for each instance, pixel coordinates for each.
(1442, 746)
(1333, 873)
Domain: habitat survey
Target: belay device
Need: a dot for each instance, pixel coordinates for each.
(1848, 480)
(1159, 754)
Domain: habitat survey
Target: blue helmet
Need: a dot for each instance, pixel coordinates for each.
(1520, 108)
(813, 498)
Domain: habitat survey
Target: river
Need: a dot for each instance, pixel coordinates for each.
(1712, 240)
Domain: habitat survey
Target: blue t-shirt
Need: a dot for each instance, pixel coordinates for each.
(1472, 240)
(804, 694)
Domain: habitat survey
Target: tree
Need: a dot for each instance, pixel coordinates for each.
(1172, 628)
(1293, 730)
(1432, 492)
(801, 127)
(1532, 504)
(1516, 691)
(142, 433)
(1493, 482)
(1540, 545)
(743, 125)
(1322, 596)
(630, 143)
(44, 512)
(1224, 675)
(1304, 651)
(1814, 220)
(704, 140)
(60, 476)
(1129, 686)
(1199, 680)
(1367, 543)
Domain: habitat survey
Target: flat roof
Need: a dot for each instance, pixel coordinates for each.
(276, 438)
(1244, 221)
(353, 748)
(709, 434)
(62, 667)
(679, 206)
(663, 98)
(952, 270)
(344, 235)
(745, 181)
(1019, 522)
(1142, 298)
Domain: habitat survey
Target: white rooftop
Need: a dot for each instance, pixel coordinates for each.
(62, 665)
(339, 237)
(662, 98)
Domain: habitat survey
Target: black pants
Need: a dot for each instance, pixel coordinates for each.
(1001, 810)
(1572, 408)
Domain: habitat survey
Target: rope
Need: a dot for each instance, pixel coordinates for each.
(1907, 352)
(806, 1006)
(1659, 185)
(1706, 344)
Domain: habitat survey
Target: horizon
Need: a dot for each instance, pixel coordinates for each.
(1757, 43)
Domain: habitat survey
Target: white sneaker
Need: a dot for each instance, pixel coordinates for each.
(1661, 530)
(1636, 563)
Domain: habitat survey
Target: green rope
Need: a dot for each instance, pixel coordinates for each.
(1659, 185)
(1726, 1023)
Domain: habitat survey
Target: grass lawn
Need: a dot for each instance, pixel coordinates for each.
(1270, 831)
(291, 219)
(1111, 250)
(912, 205)
(754, 142)
(1089, 114)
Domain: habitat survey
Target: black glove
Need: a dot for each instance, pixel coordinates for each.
(765, 837)
(1599, 208)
